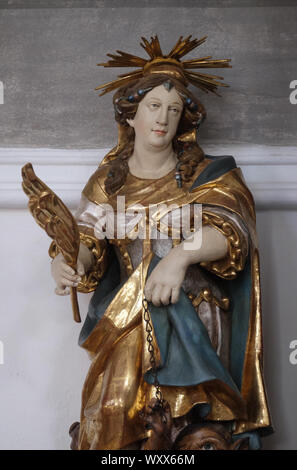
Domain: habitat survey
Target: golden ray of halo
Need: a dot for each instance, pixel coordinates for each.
(153, 48)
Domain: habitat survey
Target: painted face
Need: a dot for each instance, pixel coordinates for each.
(157, 118)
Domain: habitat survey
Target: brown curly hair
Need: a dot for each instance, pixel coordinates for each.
(126, 107)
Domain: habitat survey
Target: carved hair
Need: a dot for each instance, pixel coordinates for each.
(189, 155)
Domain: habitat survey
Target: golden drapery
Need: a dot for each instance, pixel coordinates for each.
(114, 390)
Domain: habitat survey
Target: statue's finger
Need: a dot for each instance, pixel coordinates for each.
(156, 295)
(148, 295)
(73, 278)
(68, 283)
(148, 290)
(165, 295)
(174, 295)
(68, 269)
(62, 291)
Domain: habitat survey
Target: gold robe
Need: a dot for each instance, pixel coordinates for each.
(115, 390)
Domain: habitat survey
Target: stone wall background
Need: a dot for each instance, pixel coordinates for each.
(49, 51)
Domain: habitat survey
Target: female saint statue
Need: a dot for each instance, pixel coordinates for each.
(176, 314)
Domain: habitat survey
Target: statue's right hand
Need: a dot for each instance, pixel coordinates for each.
(63, 275)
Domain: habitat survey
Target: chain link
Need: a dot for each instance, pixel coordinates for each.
(151, 350)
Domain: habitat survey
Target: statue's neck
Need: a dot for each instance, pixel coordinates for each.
(152, 163)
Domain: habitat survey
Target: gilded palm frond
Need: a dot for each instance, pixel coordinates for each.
(54, 217)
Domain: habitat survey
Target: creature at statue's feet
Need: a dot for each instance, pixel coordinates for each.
(73, 433)
(203, 435)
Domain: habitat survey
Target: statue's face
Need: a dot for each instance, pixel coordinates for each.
(157, 118)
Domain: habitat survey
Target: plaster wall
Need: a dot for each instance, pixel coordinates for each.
(44, 369)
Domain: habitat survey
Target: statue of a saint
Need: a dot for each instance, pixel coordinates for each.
(175, 316)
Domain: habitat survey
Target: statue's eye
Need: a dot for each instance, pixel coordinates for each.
(208, 446)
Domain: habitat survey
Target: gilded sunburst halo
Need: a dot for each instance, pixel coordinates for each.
(170, 64)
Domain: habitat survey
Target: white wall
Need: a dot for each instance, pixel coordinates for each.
(44, 369)
(277, 232)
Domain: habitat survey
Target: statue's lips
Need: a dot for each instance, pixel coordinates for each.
(159, 132)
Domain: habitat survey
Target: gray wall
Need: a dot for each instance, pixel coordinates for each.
(49, 51)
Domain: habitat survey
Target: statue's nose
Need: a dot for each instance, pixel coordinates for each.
(162, 118)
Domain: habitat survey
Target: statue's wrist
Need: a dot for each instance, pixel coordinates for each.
(184, 257)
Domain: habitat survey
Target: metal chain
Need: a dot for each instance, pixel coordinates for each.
(151, 349)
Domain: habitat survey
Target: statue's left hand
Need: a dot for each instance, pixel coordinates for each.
(164, 283)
